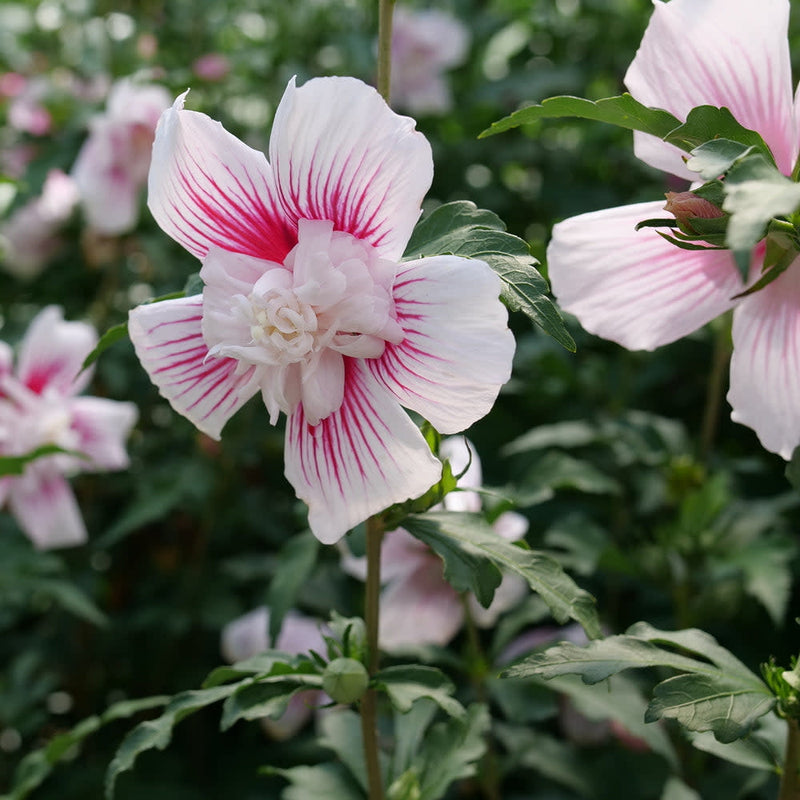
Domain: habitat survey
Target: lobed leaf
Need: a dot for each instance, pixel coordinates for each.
(407, 684)
(462, 229)
(544, 575)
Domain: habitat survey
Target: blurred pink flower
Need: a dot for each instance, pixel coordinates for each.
(637, 289)
(246, 636)
(39, 406)
(418, 606)
(424, 45)
(29, 237)
(306, 301)
(26, 112)
(211, 67)
(111, 168)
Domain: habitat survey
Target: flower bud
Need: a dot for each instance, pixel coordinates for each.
(685, 206)
(345, 680)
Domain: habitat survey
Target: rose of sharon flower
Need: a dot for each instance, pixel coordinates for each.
(39, 406)
(424, 45)
(111, 168)
(418, 606)
(246, 636)
(306, 300)
(29, 237)
(639, 290)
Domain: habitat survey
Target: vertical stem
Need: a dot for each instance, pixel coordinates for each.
(790, 778)
(386, 7)
(368, 706)
(716, 383)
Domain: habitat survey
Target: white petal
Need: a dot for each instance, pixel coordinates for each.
(732, 53)
(53, 351)
(634, 287)
(169, 342)
(340, 153)
(207, 188)
(765, 367)
(45, 507)
(421, 608)
(323, 386)
(102, 427)
(457, 349)
(359, 460)
(511, 526)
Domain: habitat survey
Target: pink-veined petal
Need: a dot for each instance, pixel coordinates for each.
(359, 460)
(102, 427)
(52, 353)
(169, 342)
(420, 608)
(765, 367)
(207, 188)
(457, 349)
(732, 53)
(45, 508)
(340, 153)
(633, 287)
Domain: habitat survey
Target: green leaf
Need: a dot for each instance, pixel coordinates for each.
(762, 749)
(15, 465)
(465, 569)
(409, 731)
(557, 470)
(676, 789)
(341, 732)
(544, 575)
(723, 696)
(462, 229)
(260, 664)
(157, 733)
(111, 336)
(714, 158)
(295, 562)
(622, 111)
(705, 123)
(451, 751)
(68, 596)
(313, 783)
(407, 684)
(755, 192)
(37, 765)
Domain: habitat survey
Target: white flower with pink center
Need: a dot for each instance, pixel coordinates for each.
(39, 406)
(637, 289)
(306, 299)
(111, 168)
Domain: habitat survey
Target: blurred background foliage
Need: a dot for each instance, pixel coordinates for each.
(660, 506)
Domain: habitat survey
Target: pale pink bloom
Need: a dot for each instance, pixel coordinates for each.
(26, 112)
(425, 44)
(39, 405)
(418, 606)
(29, 238)
(246, 636)
(211, 67)
(639, 290)
(111, 168)
(306, 300)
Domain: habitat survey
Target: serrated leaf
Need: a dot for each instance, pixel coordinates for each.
(714, 158)
(762, 749)
(462, 229)
(755, 192)
(723, 696)
(37, 765)
(543, 574)
(706, 123)
(296, 560)
(312, 783)
(623, 111)
(464, 569)
(157, 733)
(407, 684)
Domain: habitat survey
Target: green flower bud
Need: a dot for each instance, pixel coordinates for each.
(345, 680)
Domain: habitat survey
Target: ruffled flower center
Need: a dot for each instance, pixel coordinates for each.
(331, 299)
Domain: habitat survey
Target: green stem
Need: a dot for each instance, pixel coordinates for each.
(790, 778)
(716, 384)
(368, 705)
(385, 9)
